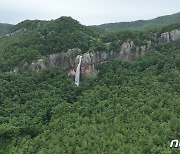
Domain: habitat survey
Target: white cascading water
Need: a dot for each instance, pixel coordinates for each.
(78, 71)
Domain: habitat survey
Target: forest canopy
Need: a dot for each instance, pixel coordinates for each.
(130, 107)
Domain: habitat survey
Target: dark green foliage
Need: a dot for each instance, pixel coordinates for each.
(142, 24)
(138, 37)
(97, 45)
(131, 107)
(28, 25)
(42, 38)
(27, 98)
(65, 33)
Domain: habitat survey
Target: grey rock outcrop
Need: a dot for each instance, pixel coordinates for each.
(38, 65)
(170, 36)
(175, 34)
(16, 32)
(127, 51)
(165, 37)
(63, 59)
(69, 60)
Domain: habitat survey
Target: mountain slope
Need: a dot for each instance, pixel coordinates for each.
(41, 40)
(131, 107)
(36, 39)
(4, 28)
(142, 24)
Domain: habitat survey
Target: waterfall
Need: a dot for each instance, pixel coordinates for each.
(78, 71)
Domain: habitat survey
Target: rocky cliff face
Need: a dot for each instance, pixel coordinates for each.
(69, 60)
(16, 32)
(128, 51)
(170, 36)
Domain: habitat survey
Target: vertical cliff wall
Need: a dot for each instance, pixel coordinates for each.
(69, 60)
(128, 51)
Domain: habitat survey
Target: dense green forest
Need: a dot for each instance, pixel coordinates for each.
(42, 38)
(130, 107)
(142, 24)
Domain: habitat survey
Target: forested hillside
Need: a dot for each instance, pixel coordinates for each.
(129, 107)
(4, 28)
(142, 24)
(36, 39)
(42, 38)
